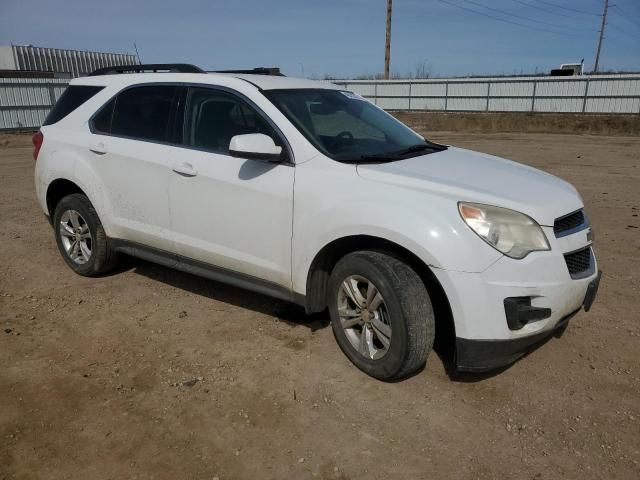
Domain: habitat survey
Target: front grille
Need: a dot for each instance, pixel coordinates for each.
(568, 222)
(579, 262)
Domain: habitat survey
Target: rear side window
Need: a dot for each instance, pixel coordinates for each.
(71, 98)
(140, 112)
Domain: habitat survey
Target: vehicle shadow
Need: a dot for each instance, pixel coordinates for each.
(448, 359)
(292, 314)
(295, 316)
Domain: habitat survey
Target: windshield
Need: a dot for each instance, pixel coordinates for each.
(348, 128)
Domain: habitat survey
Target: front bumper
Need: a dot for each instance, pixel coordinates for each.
(485, 355)
(504, 311)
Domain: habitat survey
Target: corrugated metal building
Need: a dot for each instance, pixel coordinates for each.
(71, 62)
(25, 102)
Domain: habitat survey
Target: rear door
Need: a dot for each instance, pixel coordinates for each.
(227, 212)
(130, 148)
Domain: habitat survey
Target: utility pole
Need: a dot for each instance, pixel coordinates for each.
(387, 48)
(602, 25)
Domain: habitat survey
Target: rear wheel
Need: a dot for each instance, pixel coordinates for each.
(80, 236)
(381, 314)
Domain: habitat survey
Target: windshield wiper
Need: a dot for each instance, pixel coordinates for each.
(404, 153)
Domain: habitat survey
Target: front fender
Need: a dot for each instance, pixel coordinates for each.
(343, 205)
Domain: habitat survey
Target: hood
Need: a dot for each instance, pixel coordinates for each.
(470, 176)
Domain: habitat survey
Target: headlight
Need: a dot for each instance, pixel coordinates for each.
(512, 233)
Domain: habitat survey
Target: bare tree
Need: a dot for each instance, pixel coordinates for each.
(422, 70)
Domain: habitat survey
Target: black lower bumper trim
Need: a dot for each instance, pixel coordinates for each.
(486, 355)
(592, 291)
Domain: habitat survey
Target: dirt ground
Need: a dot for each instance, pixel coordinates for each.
(151, 373)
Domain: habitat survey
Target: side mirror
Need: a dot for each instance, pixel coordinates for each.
(255, 146)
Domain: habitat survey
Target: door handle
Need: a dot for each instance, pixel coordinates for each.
(98, 149)
(185, 169)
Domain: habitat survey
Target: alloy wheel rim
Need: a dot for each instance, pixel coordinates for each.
(364, 317)
(76, 236)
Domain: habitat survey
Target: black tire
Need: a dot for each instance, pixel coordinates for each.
(410, 313)
(103, 258)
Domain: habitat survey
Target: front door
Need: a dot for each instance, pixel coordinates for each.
(228, 212)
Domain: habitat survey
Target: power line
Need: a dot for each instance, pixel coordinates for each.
(624, 15)
(521, 16)
(510, 21)
(543, 9)
(620, 29)
(568, 9)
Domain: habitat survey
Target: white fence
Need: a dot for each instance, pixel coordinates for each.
(24, 102)
(587, 94)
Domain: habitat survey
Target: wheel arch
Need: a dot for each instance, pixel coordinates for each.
(330, 254)
(57, 190)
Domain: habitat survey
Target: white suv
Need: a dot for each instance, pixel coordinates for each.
(303, 191)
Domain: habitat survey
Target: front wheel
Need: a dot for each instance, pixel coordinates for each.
(381, 314)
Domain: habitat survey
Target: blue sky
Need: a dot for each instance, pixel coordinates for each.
(337, 37)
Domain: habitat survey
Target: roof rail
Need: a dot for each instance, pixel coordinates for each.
(149, 67)
(275, 71)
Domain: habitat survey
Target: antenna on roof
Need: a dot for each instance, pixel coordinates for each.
(137, 53)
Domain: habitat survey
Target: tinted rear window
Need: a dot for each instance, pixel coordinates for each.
(143, 112)
(71, 98)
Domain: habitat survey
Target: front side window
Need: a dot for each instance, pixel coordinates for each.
(213, 117)
(346, 127)
(140, 112)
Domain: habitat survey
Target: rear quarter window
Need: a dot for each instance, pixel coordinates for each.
(71, 98)
(101, 122)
